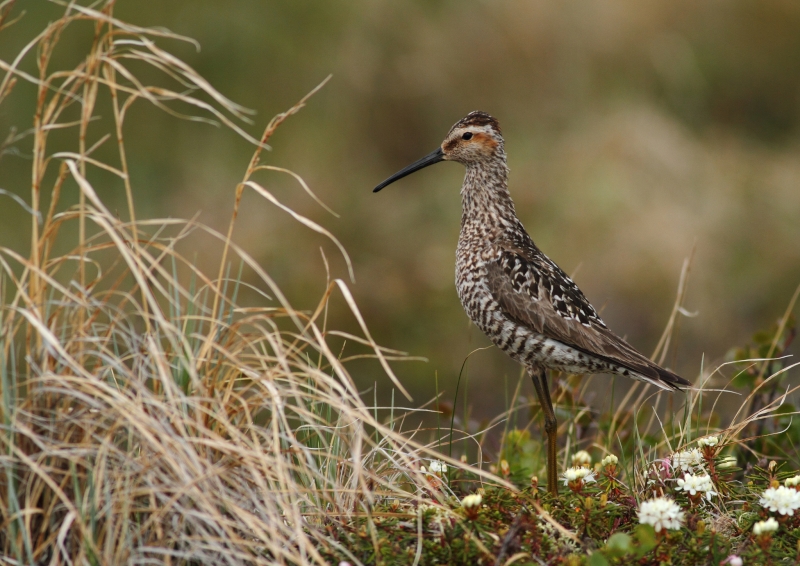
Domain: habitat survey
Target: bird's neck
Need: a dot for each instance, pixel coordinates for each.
(486, 204)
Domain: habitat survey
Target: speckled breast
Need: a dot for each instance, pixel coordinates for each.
(515, 340)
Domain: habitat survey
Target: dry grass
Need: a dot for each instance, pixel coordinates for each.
(147, 416)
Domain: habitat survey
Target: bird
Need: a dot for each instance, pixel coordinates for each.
(513, 292)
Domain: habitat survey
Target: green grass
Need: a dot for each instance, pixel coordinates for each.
(156, 411)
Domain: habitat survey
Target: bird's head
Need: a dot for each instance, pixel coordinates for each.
(473, 139)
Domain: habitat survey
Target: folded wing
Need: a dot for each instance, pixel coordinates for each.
(535, 292)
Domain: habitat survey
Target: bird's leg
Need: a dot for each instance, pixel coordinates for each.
(539, 377)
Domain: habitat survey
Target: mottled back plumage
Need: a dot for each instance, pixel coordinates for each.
(517, 295)
(513, 292)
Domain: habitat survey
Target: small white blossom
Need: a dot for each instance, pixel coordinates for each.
(768, 526)
(688, 460)
(438, 467)
(708, 441)
(578, 473)
(581, 458)
(735, 560)
(661, 513)
(472, 502)
(782, 499)
(609, 460)
(792, 482)
(701, 484)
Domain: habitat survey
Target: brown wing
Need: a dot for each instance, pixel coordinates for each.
(533, 291)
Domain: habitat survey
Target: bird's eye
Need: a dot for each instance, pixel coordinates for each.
(467, 136)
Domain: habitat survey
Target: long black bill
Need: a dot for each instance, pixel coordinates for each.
(430, 159)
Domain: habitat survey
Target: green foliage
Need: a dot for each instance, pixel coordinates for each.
(523, 454)
(623, 546)
(598, 521)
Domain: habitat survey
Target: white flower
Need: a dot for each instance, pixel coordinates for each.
(782, 499)
(661, 513)
(688, 460)
(438, 467)
(609, 460)
(578, 473)
(768, 526)
(708, 441)
(581, 458)
(792, 482)
(735, 560)
(472, 501)
(697, 484)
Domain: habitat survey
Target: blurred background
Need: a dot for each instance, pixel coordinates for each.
(636, 132)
